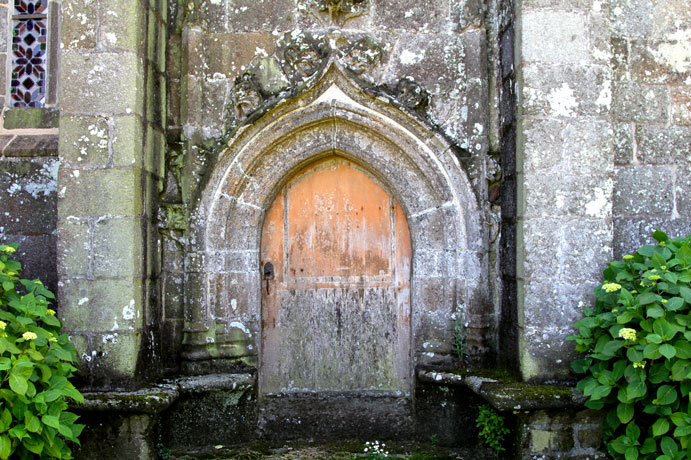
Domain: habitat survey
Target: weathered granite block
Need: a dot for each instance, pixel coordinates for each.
(632, 18)
(84, 141)
(122, 24)
(623, 140)
(90, 190)
(661, 145)
(554, 37)
(660, 62)
(118, 248)
(643, 190)
(126, 137)
(636, 102)
(681, 105)
(97, 90)
(74, 246)
(96, 305)
(77, 31)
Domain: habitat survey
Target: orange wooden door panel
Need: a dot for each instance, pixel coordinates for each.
(336, 315)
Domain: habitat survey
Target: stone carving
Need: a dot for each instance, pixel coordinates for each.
(247, 98)
(338, 11)
(411, 95)
(363, 56)
(302, 58)
(173, 222)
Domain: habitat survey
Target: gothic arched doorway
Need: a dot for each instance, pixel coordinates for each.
(336, 268)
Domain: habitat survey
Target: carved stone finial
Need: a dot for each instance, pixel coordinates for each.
(302, 58)
(411, 95)
(247, 98)
(338, 11)
(363, 56)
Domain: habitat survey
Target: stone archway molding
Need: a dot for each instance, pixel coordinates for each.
(334, 118)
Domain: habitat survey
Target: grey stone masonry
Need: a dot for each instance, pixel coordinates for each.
(603, 153)
(565, 167)
(111, 151)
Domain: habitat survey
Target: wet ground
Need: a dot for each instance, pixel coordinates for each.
(344, 450)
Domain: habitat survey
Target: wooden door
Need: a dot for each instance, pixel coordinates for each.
(336, 315)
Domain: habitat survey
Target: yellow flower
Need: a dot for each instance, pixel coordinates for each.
(29, 336)
(3, 325)
(639, 364)
(664, 301)
(50, 312)
(52, 340)
(654, 277)
(611, 287)
(628, 257)
(627, 333)
(664, 267)
(8, 249)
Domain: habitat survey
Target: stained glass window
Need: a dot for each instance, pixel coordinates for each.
(29, 52)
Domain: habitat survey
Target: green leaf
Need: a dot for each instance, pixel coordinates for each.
(668, 351)
(674, 304)
(636, 389)
(685, 293)
(51, 420)
(625, 412)
(647, 251)
(654, 338)
(631, 453)
(34, 445)
(681, 369)
(18, 384)
(5, 447)
(649, 446)
(8, 286)
(682, 431)
(669, 447)
(655, 311)
(660, 236)
(651, 351)
(6, 420)
(612, 347)
(32, 422)
(666, 394)
(634, 355)
(664, 329)
(601, 392)
(647, 298)
(660, 427)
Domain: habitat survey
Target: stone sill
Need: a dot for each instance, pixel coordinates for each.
(157, 398)
(31, 118)
(505, 394)
(25, 146)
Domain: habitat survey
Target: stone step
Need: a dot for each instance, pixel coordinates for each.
(340, 450)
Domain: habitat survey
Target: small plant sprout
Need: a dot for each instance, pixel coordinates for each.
(492, 428)
(460, 336)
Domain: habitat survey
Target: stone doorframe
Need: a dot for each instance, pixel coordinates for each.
(417, 165)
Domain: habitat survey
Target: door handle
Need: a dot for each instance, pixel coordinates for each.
(268, 274)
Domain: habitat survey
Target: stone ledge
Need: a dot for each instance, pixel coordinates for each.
(213, 382)
(505, 394)
(41, 145)
(150, 400)
(157, 398)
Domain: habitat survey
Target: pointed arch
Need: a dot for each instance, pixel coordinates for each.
(336, 117)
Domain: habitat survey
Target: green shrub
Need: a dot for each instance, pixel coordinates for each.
(638, 356)
(492, 428)
(34, 368)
